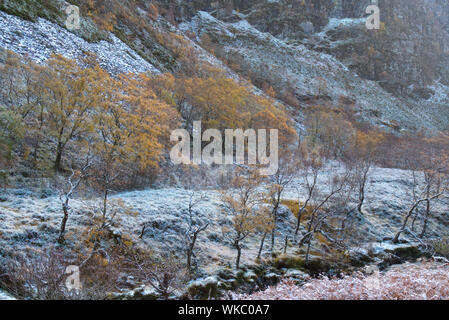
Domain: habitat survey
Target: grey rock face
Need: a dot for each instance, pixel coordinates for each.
(304, 71)
(406, 57)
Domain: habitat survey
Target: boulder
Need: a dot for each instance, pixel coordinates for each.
(203, 289)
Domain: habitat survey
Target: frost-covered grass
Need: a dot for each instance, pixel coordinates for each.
(28, 219)
(426, 281)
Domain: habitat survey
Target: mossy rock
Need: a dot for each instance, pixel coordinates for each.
(408, 252)
(226, 274)
(141, 294)
(317, 266)
(359, 259)
(230, 284)
(204, 289)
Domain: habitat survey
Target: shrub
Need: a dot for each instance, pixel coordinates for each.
(441, 247)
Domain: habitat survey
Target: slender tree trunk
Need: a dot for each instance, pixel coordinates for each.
(308, 235)
(36, 150)
(300, 213)
(189, 258)
(190, 252)
(407, 217)
(303, 240)
(426, 219)
(59, 151)
(275, 218)
(105, 202)
(58, 159)
(165, 287)
(362, 191)
(142, 232)
(239, 254)
(414, 220)
(286, 244)
(261, 245)
(63, 224)
(361, 200)
(308, 249)
(298, 224)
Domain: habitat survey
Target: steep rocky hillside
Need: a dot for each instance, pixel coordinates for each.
(38, 40)
(313, 77)
(312, 52)
(411, 46)
(407, 57)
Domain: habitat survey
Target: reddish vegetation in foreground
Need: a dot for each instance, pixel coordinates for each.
(426, 281)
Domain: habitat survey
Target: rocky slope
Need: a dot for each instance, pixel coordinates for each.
(38, 40)
(407, 58)
(318, 52)
(409, 29)
(313, 77)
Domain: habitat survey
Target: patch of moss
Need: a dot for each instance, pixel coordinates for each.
(288, 262)
(441, 247)
(52, 11)
(314, 267)
(407, 253)
(32, 9)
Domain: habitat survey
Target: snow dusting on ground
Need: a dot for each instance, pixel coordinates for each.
(39, 40)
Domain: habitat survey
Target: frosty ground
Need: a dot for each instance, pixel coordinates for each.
(31, 219)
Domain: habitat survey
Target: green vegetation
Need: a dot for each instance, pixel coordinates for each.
(53, 11)
(33, 9)
(441, 247)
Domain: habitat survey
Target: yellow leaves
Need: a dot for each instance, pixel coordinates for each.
(128, 243)
(104, 262)
(144, 120)
(271, 117)
(244, 204)
(328, 129)
(293, 205)
(336, 135)
(101, 12)
(222, 103)
(121, 120)
(368, 142)
(262, 220)
(153, 11)
(270, 92)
